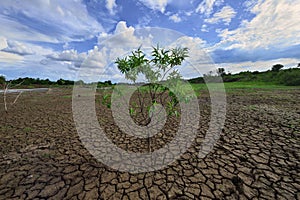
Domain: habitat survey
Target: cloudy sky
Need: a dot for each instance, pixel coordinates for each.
(53, 38)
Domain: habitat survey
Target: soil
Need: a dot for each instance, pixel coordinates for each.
(256, 157)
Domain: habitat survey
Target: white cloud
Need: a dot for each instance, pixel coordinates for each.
(18, 48)
(15, 51)
(61, 21)
(175, 18)
(189, 13)
(122, 27)
(276, 25)
(206, 6)
(126, 38)
(97, 66)
(3, 43)
(123, 38)
(71, 57)
(159, 5)
(9, 57)
(144, 21)
(198, 60)
(111, 5)
(16, 31)
(225, 15)
(196, 46)
(68, 55)
(204, 28)
(96, 58)
(98, 62)
(249, 4)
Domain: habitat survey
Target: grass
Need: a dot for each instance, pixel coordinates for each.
(46, 155)
(252, 107)
(229, 87)
(257, 85)
(27, 129)
(241, 85)
(67, 96)
(5, 128)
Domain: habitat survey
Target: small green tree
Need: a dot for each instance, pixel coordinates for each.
(156, 69)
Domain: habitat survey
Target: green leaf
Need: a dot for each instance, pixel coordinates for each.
(132, 111)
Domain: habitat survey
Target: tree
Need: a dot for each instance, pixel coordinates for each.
(2, 80)
(298, 65)
(221, 71)
(277, 67)
(107, 83)
(159, 68)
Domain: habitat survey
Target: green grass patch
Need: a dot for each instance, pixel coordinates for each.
(240, 85)
(5, 128)
(27, 129)
(257, 85)
(67, 96)
(46, 155)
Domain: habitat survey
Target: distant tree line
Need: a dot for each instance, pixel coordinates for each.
(277, 75)
(46, 82)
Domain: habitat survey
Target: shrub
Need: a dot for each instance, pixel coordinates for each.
(2, 80)
(289, 77)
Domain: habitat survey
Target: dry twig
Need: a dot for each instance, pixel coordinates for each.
(6, 87)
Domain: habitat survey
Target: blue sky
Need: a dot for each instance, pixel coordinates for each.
(52, 38)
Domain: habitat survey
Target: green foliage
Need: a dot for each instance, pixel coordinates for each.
(64, 82)
(221, 71)
(277, 75)
(289, 77)
(27, 129)
(2, 80)
(159, 68)
(32, 82)
(277, 67)
(132, 111)
(106, 100)
(104, 84)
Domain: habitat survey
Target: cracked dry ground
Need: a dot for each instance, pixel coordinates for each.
(256, 157)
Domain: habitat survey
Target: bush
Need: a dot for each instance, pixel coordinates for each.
(289, 77)
(230, 78)
(2, 80)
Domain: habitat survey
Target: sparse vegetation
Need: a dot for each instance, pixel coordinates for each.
(157, 69)
(275, 76)
(27, 129)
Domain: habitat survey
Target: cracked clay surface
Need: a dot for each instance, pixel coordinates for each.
(256, 157)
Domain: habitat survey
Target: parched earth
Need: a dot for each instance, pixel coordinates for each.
(256, 157)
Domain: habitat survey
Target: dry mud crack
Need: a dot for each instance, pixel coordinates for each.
(256, 157)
